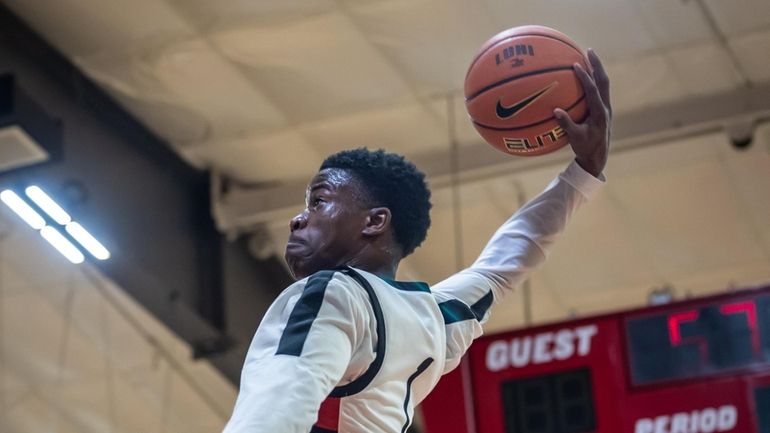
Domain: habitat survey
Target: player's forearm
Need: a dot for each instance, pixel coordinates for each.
(522, 243)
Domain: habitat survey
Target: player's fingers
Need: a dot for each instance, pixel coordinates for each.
(600, 77)
(595, 104)
(566, 122)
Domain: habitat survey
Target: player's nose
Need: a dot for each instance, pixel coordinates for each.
(299, 221)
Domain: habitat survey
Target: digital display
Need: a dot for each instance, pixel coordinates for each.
(554, 403)
(699, 341)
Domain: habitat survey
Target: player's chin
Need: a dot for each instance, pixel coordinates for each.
(299, 266)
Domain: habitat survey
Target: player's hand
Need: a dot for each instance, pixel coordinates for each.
(590, 140)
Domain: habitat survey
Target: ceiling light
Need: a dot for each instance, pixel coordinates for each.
(87, 241)
(61, 243)
(45, 202)
(22, 209)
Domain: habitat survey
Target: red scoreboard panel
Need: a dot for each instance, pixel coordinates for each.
(697, 366)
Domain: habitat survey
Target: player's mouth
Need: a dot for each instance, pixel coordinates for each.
(295, 245)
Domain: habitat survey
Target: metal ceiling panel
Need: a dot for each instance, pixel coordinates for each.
(87, 27)
(753, 53)
(316, 68)
(262, 158)
(430, 42)
(704, 69)
(612, 27)
(211, 16)
(186, 92)
(198, 76)
(418, 130)
(672, 23)
(643, 82)
(740, 16)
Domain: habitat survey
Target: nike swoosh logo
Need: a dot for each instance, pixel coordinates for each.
(506, 112)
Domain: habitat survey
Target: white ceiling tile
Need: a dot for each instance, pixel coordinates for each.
(198, 76)
(672, 23)
(316, 68)
(85, 27)
(33, 414)
(185, 91)
(704, 69)
(753, 52)
(417, 131)
(464, 131)
(431, 42)
(739, 16)
(612, 27)
(137, 88)
(643, 82)
(262, 158)
(210, 15)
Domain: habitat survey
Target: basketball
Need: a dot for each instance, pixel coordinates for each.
(514, 83)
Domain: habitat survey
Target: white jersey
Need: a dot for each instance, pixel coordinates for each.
(346, 351)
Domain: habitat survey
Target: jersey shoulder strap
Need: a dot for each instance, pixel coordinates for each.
(366, 378)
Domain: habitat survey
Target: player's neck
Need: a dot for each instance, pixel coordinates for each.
(380, 262)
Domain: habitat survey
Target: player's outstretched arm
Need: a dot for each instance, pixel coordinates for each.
(521, 244)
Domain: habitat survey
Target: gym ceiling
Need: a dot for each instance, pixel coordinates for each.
(253, 95)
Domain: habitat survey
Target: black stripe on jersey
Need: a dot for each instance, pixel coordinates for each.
(315, 429)
(422, 367)
(455, 310)
(304, 313)
(366, 378)
(482, 305)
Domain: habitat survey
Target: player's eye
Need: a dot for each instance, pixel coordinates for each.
(316, 201)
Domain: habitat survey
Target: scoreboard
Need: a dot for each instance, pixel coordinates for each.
(697, 366)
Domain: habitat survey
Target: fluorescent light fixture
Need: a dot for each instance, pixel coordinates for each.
(45, 202)
(87, 241)
(71, 252)
(22, 209)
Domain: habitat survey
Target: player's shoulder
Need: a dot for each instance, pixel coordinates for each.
(333, 283)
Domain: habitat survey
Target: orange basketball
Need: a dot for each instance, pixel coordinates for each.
(515, 82)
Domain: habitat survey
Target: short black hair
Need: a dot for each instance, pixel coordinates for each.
(393, 182)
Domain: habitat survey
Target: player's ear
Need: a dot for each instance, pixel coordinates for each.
(377, 221)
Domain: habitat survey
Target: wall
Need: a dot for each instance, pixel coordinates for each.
(147, 206)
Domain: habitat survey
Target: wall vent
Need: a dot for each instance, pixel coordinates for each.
(18, 149)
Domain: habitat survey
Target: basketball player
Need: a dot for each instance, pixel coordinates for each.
(349, 349)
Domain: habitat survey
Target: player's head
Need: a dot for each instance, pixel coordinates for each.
(362, 207)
